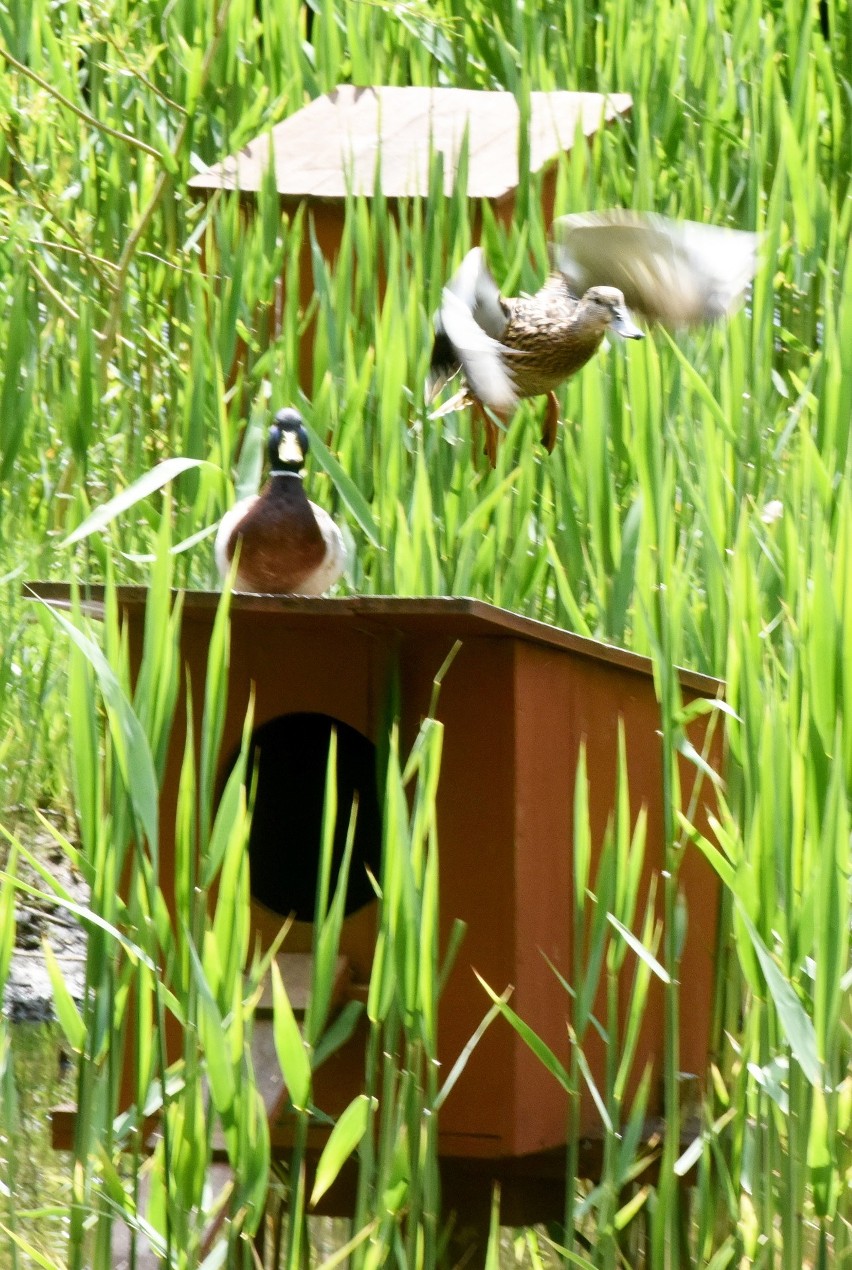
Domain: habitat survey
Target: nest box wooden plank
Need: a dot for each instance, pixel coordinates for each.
(344, 142)
(517, 703)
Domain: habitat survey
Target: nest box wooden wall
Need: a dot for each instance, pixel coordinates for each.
(517, 703)
(342, 143)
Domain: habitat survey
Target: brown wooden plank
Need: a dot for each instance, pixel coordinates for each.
(63, 1120)
(143, 1256)
(267, 1069)
(297, 971)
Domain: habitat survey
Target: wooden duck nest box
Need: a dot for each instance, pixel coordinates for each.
(517, 703)
(352, 138)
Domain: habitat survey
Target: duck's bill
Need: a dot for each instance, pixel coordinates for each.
(623, 325)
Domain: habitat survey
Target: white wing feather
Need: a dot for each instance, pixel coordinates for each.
(474, 285)
(481, 356)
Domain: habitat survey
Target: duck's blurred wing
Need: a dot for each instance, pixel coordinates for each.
(473, 285)
(482, 357)
(675, 272)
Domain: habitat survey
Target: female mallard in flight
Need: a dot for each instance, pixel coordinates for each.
(287, 544)
(604, 264)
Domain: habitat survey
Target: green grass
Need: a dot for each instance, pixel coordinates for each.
(697, 506)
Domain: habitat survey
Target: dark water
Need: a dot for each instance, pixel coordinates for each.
(35, 1182)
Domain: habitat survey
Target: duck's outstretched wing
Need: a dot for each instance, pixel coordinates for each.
(480, 355)
(474, 287)
(675, 272)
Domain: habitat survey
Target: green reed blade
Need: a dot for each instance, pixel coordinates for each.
(342, 1142)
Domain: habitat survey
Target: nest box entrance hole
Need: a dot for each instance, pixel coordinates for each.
(289, 760)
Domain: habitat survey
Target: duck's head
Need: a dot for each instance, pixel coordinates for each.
(288, 442)
(607, 305)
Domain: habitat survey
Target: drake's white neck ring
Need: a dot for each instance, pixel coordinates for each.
(298, 475)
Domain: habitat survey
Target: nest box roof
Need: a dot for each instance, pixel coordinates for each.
(459, 617)
(333, 145)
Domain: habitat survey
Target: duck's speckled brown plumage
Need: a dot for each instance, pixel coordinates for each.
(556, 332)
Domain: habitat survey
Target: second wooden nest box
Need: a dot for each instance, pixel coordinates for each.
(348, 140)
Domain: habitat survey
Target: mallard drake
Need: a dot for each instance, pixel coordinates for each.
(287, 544)
(604, 264)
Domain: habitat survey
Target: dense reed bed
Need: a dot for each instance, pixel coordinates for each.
(697, 508)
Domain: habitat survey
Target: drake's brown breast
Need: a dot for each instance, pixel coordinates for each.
(281, 543)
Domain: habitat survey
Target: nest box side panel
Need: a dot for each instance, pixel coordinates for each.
(195, 638)
(584, 701)
(328, 219)
(603, 698)
(545, 759)
(699, 883)
(475, 809)
(194, 644)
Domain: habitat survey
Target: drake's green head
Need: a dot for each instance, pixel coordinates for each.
(288, 442)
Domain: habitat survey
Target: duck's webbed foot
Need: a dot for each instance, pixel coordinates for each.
(551, 423)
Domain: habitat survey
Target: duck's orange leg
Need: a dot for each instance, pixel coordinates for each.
(492, 432)
(476, 417)
(492, 437)
(551, 423)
